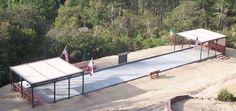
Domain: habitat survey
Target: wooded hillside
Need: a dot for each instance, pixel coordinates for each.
(37, 29)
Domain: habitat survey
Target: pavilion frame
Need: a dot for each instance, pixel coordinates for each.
(33, 85)
(209, 45)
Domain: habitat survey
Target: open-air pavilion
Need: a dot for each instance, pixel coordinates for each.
(54, 79)
(212, 40)
(42, 72)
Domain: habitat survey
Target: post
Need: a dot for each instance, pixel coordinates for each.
(11, 80)
(201, 52)
(69, 87)
(189, 43)
(54, 82)
(21, 87)
(182, 44)
(209, 46)
(32, 94)
(225, 45)
(83, 82)
(216, 46)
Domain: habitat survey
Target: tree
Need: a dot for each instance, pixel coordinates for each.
(46, 8)
(22, 32)
(184, 17)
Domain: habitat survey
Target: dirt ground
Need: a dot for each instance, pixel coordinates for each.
(202, 79)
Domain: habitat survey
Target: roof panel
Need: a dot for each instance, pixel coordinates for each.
(45, 70)
(63, 66)
(202, 34)
(28, 73)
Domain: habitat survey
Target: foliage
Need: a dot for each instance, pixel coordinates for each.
(22, 32)
(100, 46)
(36, 29)
(225, 95)
(48, 8)
(185, 17)
(231, 36)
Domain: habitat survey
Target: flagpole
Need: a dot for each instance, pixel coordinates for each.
(83, 77)
(63, 51)
(61, 54)
(83, 82)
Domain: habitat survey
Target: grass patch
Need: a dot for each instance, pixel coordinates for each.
(225, 95)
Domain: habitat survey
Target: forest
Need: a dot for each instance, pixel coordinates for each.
(33, 30)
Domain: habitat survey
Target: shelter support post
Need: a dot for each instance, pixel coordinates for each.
(216, 46)
(11, 80)
(182, 44)
(209, 46)
(21, 87)
(189, 43)
(54, 83)
(225, 44)
(83, 82)
(32, 94)
(69, 87)
(201, 52)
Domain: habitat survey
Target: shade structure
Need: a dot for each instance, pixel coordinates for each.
(45, 70)
(203, 35)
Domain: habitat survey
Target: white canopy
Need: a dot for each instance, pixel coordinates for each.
(203, 35)
(45, 70)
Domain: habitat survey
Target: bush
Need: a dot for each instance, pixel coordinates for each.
(225, 95)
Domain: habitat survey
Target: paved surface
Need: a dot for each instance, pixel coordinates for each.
(116, 75)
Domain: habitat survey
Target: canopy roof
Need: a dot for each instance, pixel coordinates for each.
(203, 35)
(45, 70)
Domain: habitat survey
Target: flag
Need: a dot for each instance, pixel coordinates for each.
(65, 53)
(171, 37)
(89, 68)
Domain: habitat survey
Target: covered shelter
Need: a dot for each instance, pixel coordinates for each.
(212, 40)
(43, 72)
(44, 77)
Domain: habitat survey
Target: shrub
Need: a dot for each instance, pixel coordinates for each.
(225, 95)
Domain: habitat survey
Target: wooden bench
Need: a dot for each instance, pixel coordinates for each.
(37, 100)
(218, 47)
(28, 95)
(17, 88)
(154, 74)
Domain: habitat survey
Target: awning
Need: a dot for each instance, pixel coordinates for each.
(45, 70)
(203, 35)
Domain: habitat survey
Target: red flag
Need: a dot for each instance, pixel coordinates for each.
(65, 53)
(89, 68)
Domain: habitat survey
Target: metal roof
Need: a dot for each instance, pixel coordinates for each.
(202, 34)
(45, 70)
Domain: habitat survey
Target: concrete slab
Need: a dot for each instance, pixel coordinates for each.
(120, 74)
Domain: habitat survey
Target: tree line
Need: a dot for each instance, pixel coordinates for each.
(32, 30)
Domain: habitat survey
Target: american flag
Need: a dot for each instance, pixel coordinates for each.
(89, 68)
(65, 53)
